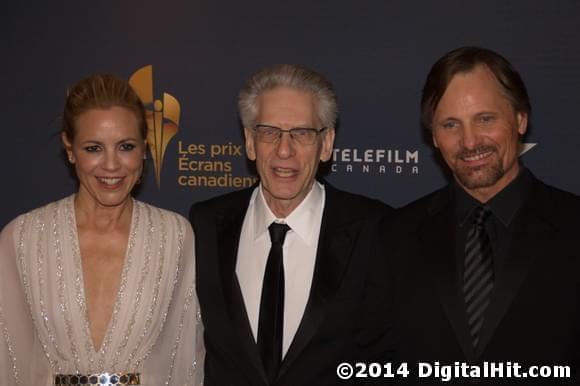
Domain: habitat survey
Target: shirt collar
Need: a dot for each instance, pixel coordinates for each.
(503, 205)
(301, 220)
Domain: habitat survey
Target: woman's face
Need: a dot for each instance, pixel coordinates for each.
(107, 153)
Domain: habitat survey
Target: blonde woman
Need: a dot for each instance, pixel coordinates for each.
(98, 288)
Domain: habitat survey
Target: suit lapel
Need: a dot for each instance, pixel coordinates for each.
(333, 254)
(529, 241)
(437, 243)
(229, 227)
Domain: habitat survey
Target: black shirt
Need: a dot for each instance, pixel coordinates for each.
(499, 226)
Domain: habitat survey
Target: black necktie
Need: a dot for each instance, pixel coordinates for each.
(271, 322)
(478, 273)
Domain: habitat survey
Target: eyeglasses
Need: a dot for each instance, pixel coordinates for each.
(302, 135)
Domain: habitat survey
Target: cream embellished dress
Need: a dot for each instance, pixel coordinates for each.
(155, 328)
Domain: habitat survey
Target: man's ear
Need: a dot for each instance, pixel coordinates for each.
(522, 119)
(434, 140)
(327, 144)
(250, 145)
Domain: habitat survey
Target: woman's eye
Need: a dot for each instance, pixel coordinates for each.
(127, 147)
(92, 148)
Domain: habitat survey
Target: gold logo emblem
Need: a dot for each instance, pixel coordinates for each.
(162, 116)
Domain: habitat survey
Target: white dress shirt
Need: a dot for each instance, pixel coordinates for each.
(299, 252)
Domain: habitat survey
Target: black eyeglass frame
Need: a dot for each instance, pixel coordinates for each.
(291, 132)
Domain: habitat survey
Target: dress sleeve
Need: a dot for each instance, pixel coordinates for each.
(179, 351)
(16, 327)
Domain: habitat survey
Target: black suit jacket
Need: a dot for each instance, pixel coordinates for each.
(534, 313)
(326, 333)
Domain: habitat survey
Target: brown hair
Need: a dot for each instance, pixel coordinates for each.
(293, 76)
(463, 60)
(101, 91)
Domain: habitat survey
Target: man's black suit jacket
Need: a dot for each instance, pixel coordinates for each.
(534, 314)
(326, 333)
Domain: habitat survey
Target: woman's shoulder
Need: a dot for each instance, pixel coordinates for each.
(170, 227)
(23, 232)
(156, 213)
(38, 215)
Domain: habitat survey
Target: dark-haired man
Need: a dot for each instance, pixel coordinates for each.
(484, 273)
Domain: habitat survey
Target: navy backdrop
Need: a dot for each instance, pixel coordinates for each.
(376, 52)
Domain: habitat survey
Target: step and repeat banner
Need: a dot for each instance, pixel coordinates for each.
(188, 60)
